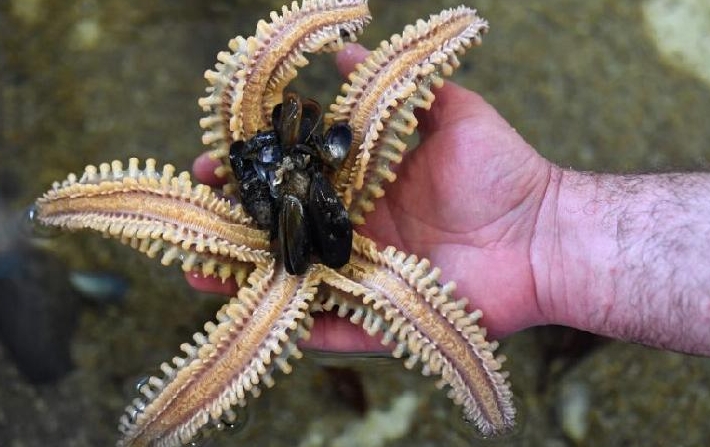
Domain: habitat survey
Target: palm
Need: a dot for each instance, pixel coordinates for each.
(467, 198)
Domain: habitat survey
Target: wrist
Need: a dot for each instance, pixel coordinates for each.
(626, 256)
(574, 251)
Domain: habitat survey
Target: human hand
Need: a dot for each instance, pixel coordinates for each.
(467, 198)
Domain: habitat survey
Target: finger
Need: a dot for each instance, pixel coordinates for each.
(453, 104)
(349, 56)
(203, 168)
(211, 284)
(331, 333)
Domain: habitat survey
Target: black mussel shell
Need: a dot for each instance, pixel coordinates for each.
(255, 145)
(336, 144)
(236, 160)
(255, 194)
(261, 172)
(294, 235)
(276, 116)
(331, 230)
(271, 154)
(252, 149)
(288, 122)
(311, 120)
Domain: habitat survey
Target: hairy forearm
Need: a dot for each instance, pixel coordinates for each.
(627, 256)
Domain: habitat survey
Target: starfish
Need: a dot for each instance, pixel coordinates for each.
(157, 211)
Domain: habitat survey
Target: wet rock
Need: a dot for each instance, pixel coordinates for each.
(38, 312)
(680, 30)
(347, 387)
(573, 410)
(643, 396)
(100, 287)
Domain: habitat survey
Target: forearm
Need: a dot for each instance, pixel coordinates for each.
(627, 257)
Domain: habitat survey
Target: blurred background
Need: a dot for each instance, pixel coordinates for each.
(617, 86)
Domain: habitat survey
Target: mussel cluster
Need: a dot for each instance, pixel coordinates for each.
(284, 187)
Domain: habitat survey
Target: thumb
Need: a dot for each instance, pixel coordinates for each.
(349, 56)
(453, 104)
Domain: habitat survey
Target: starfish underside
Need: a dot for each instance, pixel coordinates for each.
(255, 333)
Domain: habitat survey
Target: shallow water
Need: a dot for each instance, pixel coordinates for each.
(592, 85)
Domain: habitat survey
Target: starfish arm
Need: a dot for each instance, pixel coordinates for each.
(157, 211)
(382, 92)
(398, 294)
(253, 335)
(248, 81)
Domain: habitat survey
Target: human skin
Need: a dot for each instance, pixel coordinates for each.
(529, 243)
